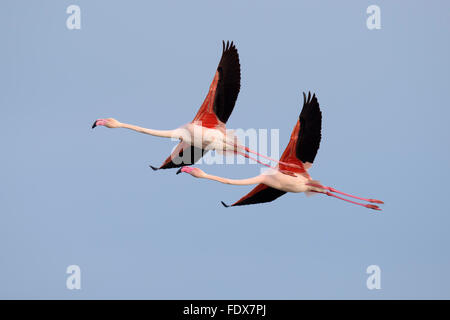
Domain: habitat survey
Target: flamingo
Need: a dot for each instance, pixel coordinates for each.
(300, 154)
(207, 131)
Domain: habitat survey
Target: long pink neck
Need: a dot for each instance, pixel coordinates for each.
(152, 132)
(237, 182)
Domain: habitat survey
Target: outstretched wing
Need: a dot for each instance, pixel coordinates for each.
(260, 194)
(224, 90)
(217, 107)
(183, 155)
(309, 137)
(305, 138)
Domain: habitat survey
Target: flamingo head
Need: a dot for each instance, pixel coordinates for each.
(109, 123)
(195, 172)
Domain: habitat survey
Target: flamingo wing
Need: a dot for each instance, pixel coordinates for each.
(223, 91)
(216, 108)
(309, 136)
(305, 138)
(183, 155)
(260, 194)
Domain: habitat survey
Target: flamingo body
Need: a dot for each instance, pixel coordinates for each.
(207, 139)
(295, 183)
(207, 130)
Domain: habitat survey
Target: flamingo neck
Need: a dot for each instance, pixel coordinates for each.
(152, 132)
(237, 182)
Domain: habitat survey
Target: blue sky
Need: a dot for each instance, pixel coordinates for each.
(70, 195)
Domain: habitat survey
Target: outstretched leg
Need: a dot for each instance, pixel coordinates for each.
(345, 194)
(237, 147)
(273, 160)
(369, 206)
(254, 159)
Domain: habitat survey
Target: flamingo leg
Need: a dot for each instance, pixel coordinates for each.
(250, 157)
(236, 147)
(346, 194)
(269, 158)
(369, 206)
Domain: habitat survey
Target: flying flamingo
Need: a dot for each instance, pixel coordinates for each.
(300, 154)
(207, 131)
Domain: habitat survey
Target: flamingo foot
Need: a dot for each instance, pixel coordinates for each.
(347, 195)
(369, 206)
(372, 206)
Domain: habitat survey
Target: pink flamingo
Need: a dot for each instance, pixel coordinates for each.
(207, 131)
(299, 154)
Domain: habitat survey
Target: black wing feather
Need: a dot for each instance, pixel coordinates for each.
(229, 82)
(185, 157)
(260, 194)
(309, 136)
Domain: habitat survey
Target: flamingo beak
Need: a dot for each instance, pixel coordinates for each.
(224, 204)
(100, 122)
(185, 169)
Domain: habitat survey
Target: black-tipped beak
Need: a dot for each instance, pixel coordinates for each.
(224, 204)
(179, 171)
(154, 168)
(94, 124)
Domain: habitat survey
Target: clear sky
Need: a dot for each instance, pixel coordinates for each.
(70, 195)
